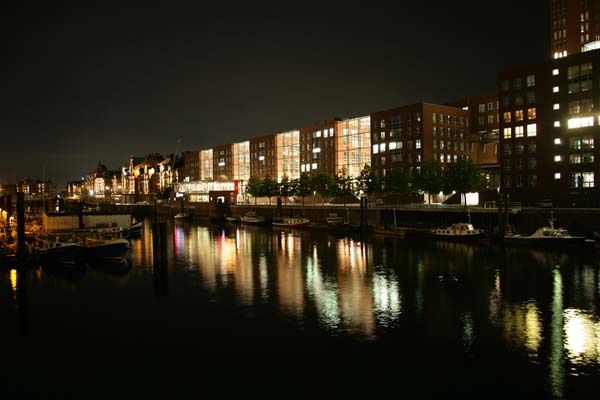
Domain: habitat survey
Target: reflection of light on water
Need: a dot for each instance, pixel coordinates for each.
(419, 301)
(179, 240)
(582, 340)
(263, 276)
(495, 301)
(13, 282)
(355, 288)
(557, 368)
(324, 294)
(533, 328)
(468, 331)
(386, 298)
(351, 255)
(523, 326)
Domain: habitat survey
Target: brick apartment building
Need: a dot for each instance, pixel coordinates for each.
(406, 136)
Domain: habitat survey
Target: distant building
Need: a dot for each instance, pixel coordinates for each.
(276, 155)
(574, 27)
(191, 170)
(222, 162)
(336, 147)
(34, 188)
(550, 130)
(404, 137)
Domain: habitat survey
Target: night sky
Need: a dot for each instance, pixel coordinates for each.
(98, 83)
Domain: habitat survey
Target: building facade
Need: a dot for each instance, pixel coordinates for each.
(550, 130)
(404, 137)
(574, 26)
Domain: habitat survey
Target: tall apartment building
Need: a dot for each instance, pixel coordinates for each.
(336, 147)
(549, 130)
(191, 168)
(317, 148)
(276, 155)
(241, 161)
(406, 136)
(484, 129)
(574, 26)
(206, 165)
(222, 162)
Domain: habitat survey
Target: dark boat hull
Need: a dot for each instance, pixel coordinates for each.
(109, 252)
(63, 255)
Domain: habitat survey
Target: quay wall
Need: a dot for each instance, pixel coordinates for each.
(581, 221)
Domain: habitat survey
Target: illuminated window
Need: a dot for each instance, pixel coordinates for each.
(375, 148)
(557, 124)
(555, 71)
(555, 89)
(531, 113)
(530, 80)
(582, 180)
(382, 147)
(519, 115)
(507, 133)
(582, 122)
(556, 106)
(392, 145)
(519, 130)
(556, 175)
(418, 144)
(557, 141)
(532, 130)
(507, 116)
(557, 158)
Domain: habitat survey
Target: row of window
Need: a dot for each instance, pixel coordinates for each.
(517, 100)
(520, 148)
(519, 164)
(519, 115)
(517, 83)
(519, 131)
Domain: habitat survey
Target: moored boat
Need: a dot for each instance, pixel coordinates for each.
(63, 249)
(107, 250)
(336, 221)
(291, 222)
(252, 218)
(459, 231)
(547, 236)
(389, 230)
(182, 216)
(133, 230)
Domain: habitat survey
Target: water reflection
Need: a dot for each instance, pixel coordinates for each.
(433, 298)
(582, 337)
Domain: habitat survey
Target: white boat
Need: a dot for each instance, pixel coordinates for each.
(547, 236)
(336, 221)
(182, 216)
(252, 218)
(291, 222)
(459, 231)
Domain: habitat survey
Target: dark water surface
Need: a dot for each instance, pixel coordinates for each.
(284, 313)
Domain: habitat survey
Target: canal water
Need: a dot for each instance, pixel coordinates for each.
(223, 310)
